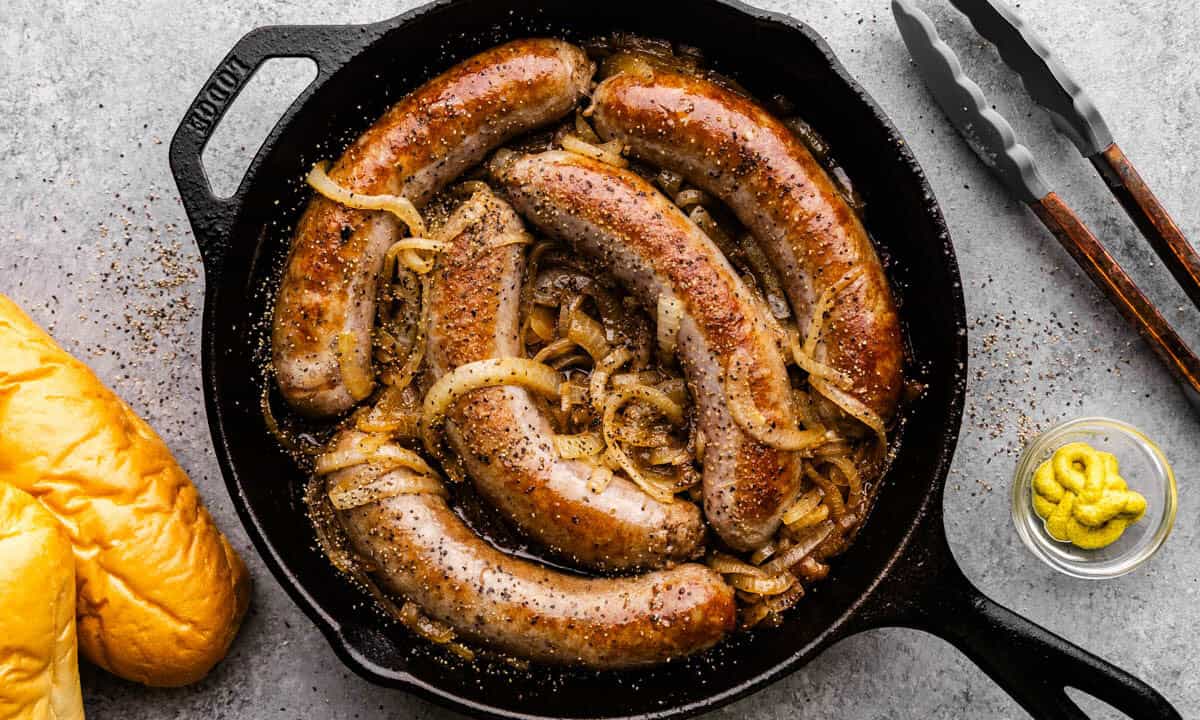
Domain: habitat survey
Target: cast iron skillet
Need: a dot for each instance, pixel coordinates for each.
(900, 571)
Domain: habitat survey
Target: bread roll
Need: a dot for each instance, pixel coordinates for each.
(160, 591)
(39, 671)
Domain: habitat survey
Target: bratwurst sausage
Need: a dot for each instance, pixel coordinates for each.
(644, 240)
(423, 552)
(504, 439)
(327, 295)
(731, 147)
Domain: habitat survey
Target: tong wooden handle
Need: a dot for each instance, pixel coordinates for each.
(1151, 218)
(1108, 275)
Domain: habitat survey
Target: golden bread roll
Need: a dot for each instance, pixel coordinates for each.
(39, 670)
(160, 591)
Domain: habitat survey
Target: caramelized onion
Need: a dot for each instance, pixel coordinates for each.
(598, 383)
(372, 450)
(750, 419)
(588, 334)
(803, 506)
(609, 152)
(792, 555)
(319, 180)
(542, 323)
(359, 383)
(580, 445)
(346, 496)
(402, 377)
(773, 585)
(852, 407)
(599, 479)
(533, 376)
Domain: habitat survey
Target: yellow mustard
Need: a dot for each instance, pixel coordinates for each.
(1081, 495)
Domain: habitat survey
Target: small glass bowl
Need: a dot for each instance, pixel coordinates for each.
(1143, 466)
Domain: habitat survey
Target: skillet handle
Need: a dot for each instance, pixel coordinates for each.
(212, 217)
(1030, 663)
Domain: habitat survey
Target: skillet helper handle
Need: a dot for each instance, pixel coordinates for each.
(1032, 664)
(1151, 218)
(1029, 662)
(212, 217)
(1132, 303)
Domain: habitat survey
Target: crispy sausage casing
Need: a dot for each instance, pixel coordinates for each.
(504, 439)
(731, 147)
(416, 148)
(423, 552)
(645, 241)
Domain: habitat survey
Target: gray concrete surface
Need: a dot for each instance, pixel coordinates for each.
(94, 243)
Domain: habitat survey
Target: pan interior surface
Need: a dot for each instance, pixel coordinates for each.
(769, 55)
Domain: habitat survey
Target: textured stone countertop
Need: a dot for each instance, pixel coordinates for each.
(95, 245)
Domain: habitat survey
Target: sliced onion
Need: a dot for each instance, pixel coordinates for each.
(533, 376)
(729, 565)
(818, 369)
(669, 319)
(852, 407)
(691, 196)
(598, 383)
(588, 334)
(391, 414)
(416, 355)
(405, 250)
(372, 450)
(558, 348)
(614, 455)
(583, 129)
(608, 153)
(642, 377)
(571, 393)
(517, 237)
(580, 445)
(599, 479)
(541, 322)
(750, 419)
(804, 505)
(359, 382)
(823, 305)
(668, 456)
(832, 495)
(571, 360)
(287, 439)
(804, 546)
(651, 396)
(781, 602)
(817, 515)
(773, 585)
(764, 553)
(853, 479)
(349, 496)
(318, 178)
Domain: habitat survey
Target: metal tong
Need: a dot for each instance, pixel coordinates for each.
(1074, 115)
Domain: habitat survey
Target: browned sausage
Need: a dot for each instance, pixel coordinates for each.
(505, 440)
(731, 147)
(645, 241)
(417, 147)
(423, 552)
